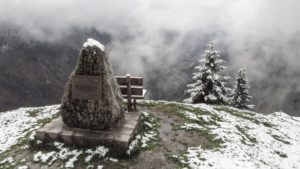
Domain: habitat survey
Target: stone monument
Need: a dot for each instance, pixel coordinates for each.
(92, 98)
(91, 106)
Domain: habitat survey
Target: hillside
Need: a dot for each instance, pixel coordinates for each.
(174, 135)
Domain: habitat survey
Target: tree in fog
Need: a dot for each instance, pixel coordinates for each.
(241, 95)
(209, 85)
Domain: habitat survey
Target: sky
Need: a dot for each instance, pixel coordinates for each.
(261, 35)
(241, 24)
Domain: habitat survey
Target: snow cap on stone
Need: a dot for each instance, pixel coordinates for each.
(92, 42)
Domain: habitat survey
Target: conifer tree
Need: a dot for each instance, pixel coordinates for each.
(241, 95)
(209, 86)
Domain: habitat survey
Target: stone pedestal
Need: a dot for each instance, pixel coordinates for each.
(117, 137)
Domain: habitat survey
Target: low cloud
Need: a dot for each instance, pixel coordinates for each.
(261, 35)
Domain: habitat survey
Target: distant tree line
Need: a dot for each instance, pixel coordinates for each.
(210, 86)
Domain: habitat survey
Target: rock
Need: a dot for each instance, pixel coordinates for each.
(92, 98)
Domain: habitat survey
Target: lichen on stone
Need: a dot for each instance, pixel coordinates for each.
(93, 114)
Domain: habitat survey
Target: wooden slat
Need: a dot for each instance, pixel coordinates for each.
(136, 96)
(135, 81)
(135, 90)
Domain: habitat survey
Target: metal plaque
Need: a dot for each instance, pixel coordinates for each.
(87, 87)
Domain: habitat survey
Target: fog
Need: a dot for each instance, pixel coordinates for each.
(261, 35)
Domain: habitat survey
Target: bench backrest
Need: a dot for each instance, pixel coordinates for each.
(136, 84)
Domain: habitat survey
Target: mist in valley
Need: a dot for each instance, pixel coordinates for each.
(158, 39)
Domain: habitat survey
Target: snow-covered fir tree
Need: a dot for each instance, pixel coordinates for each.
(209, 85)
(241, 95)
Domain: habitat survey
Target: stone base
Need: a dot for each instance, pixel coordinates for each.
(117, 137)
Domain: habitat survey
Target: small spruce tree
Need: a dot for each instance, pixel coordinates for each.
(209, 86)
(241, 95)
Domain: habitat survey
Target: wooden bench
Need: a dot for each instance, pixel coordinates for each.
(131, 88)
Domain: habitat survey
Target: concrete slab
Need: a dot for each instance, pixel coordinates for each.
(117, 137)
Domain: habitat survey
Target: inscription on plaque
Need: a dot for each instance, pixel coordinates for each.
(87, 87)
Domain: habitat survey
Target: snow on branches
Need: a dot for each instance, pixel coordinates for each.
(209, 86)
(241, 95)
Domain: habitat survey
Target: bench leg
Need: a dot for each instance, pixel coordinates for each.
(134, 104)
(129, 105)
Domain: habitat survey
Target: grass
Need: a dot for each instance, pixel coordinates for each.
(244, 133)
(171, 107)
(278, 138)
(178, 160)
(267, 124)
(34, 113)
(281, 154)
(177, 109)
(212, 143)
(245, 115)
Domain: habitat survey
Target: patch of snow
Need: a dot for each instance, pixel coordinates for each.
(16, 124)
(249, 144)
(64, 153)
(113, 160)
(8, 160)
(58, 145)
(71, 161)
(100, 167)
(142, 140)
(148, 124)
(148, 136)
(91, 42)
(133, 144)
(88, 158)
(101, 151)
(32, 136)
(206, 118)
(191, 126)
(38, 142)
(23, 167)
(90, 166)
(70, 155)
(190, 115)
(43, 157)
(145, 114)
(25, 147)
(210, 97)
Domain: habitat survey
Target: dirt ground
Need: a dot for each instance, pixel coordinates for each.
(171, 142)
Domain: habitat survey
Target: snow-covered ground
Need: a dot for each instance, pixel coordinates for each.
(251, 140)
(16, 124)
(70, 155)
